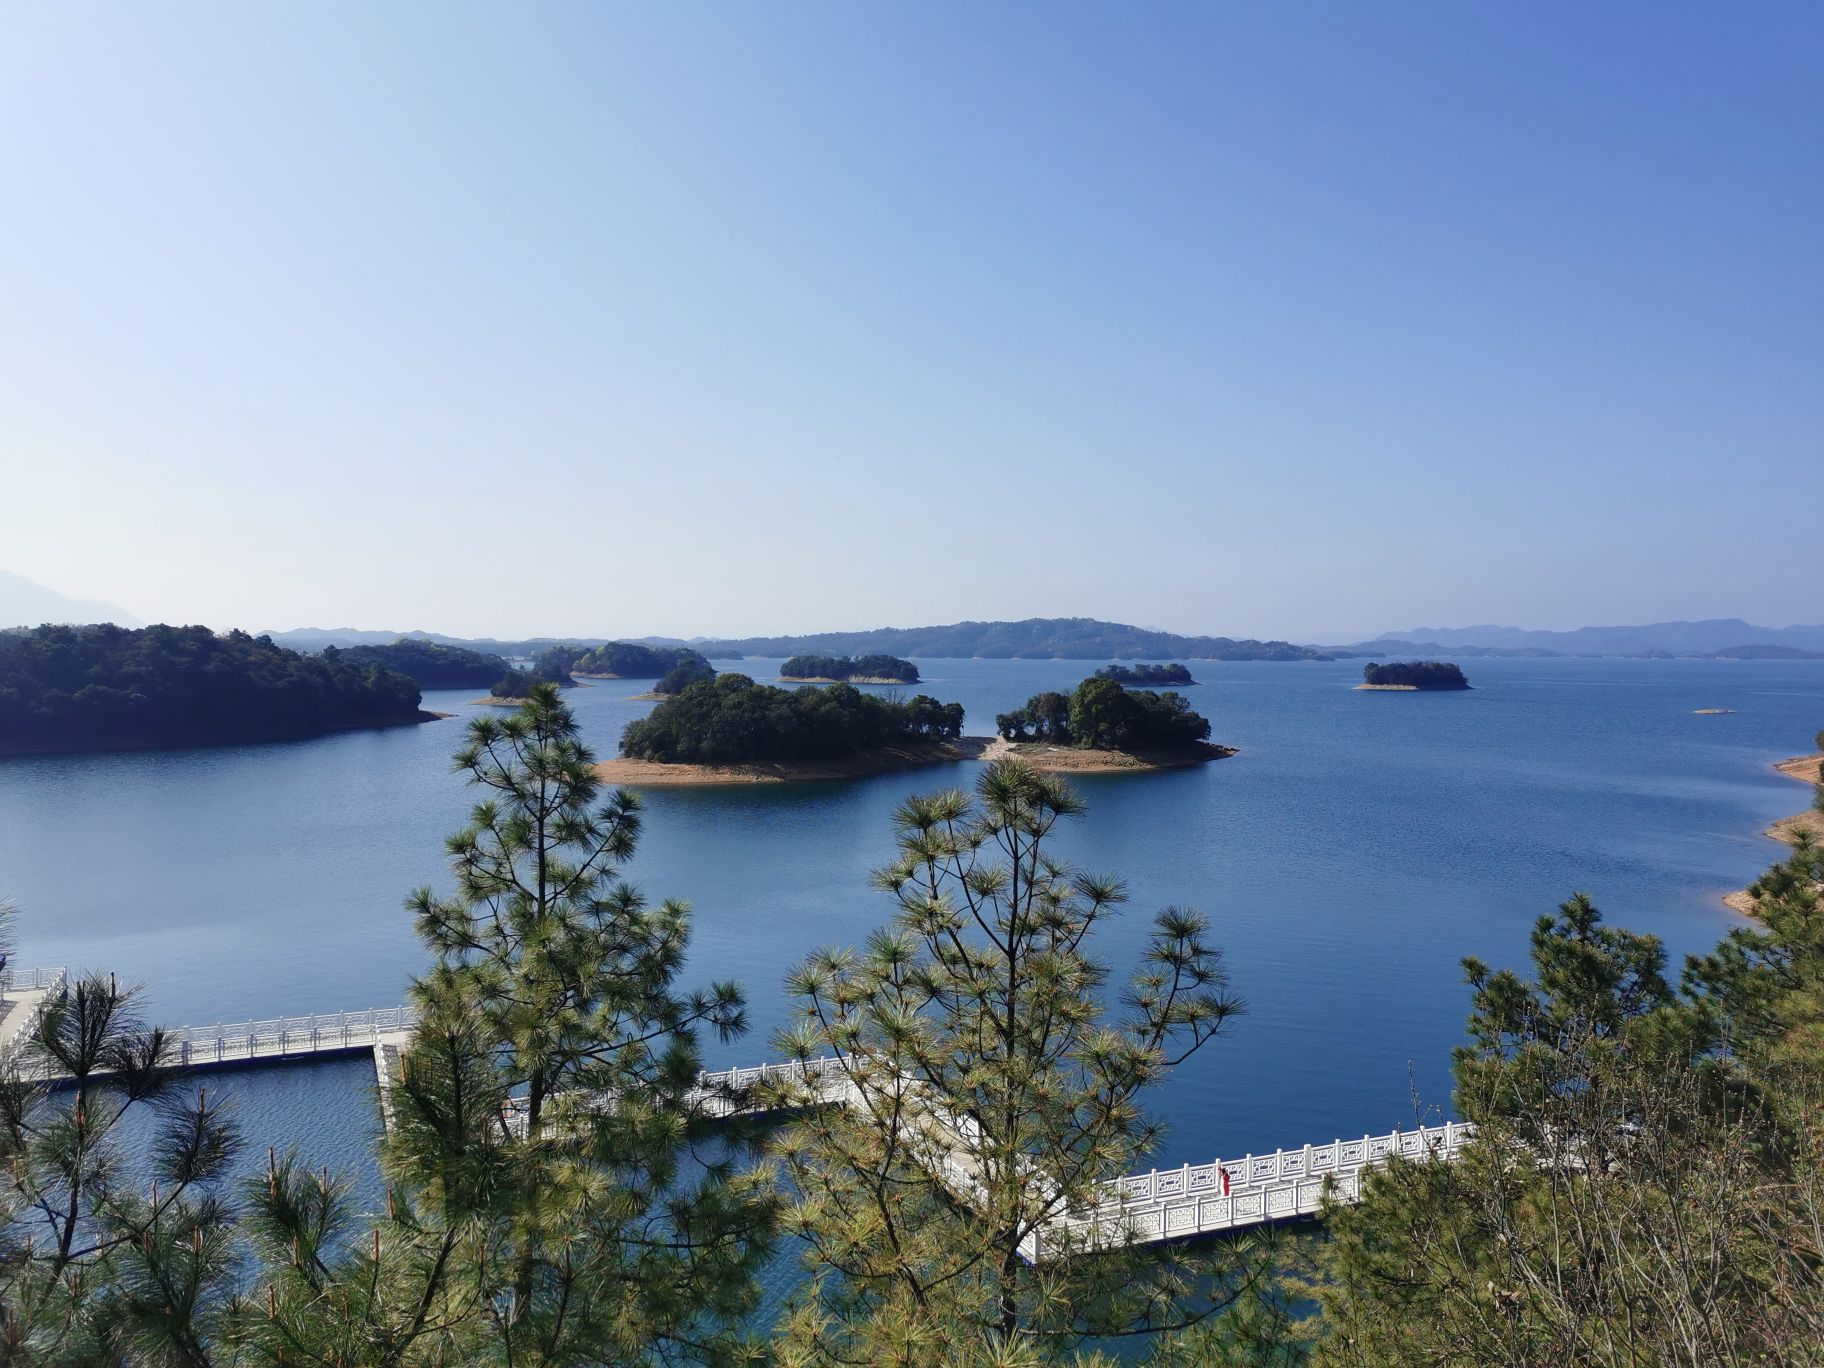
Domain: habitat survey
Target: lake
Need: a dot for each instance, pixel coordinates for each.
(1353, 851)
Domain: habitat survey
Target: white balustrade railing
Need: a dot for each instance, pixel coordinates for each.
(278, 1036)
(47, 981)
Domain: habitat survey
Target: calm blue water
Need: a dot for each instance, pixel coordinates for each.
(1357, 847)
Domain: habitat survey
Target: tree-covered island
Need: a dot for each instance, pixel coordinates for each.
(428, 664)
(631, 660)
(1146, 675)
(1413, 674)
(107, 688)
(1100, 725)
(866, 669)
(730, 729)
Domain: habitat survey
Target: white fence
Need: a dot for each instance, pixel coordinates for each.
(282, 1037)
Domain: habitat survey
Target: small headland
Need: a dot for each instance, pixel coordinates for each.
(1412, 676)
(1806, 769)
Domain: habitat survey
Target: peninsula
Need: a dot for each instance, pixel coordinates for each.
(867, 669)
(731, 730)
(1411, 675)
(1146, 676)
(1809, 824)
(108, 688)
(1102, 728)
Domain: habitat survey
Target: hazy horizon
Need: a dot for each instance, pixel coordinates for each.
(722, 321)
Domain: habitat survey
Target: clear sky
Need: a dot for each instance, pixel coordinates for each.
(1267, 319)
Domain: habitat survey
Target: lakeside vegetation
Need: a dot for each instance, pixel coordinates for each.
(1414, 674)
(1146, 674)
(427, 664)
(630, 660)
(114, 688)
(1100, 714)
(872, 669)
(731, 720)
(1644, 1186)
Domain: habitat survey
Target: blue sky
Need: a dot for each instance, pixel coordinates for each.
(1290, 320)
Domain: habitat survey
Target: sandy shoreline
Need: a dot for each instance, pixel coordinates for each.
(1803, 769)
(1075, 760)
(652, 774)
(852, 679)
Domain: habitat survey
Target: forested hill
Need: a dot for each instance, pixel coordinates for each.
(111, 688)
(1030, 639)
(428, 664)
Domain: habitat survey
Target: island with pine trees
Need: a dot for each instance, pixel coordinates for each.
(1147, 676)
(1101, 727)
(866, 669)
(1407, 676)
(732, 730)
(108, 688)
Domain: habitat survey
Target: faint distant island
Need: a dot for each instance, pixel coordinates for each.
(1413, 674)
(566, 662)
(866, 669)
(731, 730)
(1146, 675)
(1101, 727)
(113, 688)
(428, 664)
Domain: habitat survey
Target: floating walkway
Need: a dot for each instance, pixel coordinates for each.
(1149, 1208)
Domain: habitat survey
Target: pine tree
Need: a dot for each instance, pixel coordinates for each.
(987, 1093)
(556, 1194)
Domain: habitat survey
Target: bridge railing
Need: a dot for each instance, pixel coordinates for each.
(27, 980)
(284, 1035)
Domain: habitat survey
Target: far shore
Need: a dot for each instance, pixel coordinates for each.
(1080, 760)
(653, 774)
(1804, 769)
(852, 679)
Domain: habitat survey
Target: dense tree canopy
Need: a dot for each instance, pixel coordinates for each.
(111, 688)
(1100, 714)
(850, 667)
(428, 664)
(681, 676)
(1146, 674)
(733, 720)
(630, 660)
(1416, 674)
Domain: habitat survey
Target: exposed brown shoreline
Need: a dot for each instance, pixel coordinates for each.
(1077, 760)
(852, 679)
(1804, 769)
(652, 774)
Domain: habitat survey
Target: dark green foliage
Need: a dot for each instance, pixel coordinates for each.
(428, 664)
(685, 673)
(1101, 714)
(556, 662)
(514, 684)
(629, 660)
(1146, 674)
(850, 667)
(1030, 639)
(110, 688)
(1418, 674)
(733, 720)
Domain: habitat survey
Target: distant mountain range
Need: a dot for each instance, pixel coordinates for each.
(1729, 638)
(24, 603)
(1028, 639)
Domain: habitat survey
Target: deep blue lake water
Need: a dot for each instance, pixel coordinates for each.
(1358, 846)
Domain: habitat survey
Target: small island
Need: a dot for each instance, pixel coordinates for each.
(107, 688)
(731, 730)
(1409, 675)
(631, 660)
(1147, 676)
(867, 669)
(1102, 728)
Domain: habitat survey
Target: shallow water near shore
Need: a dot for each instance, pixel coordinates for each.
(1354, 850)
